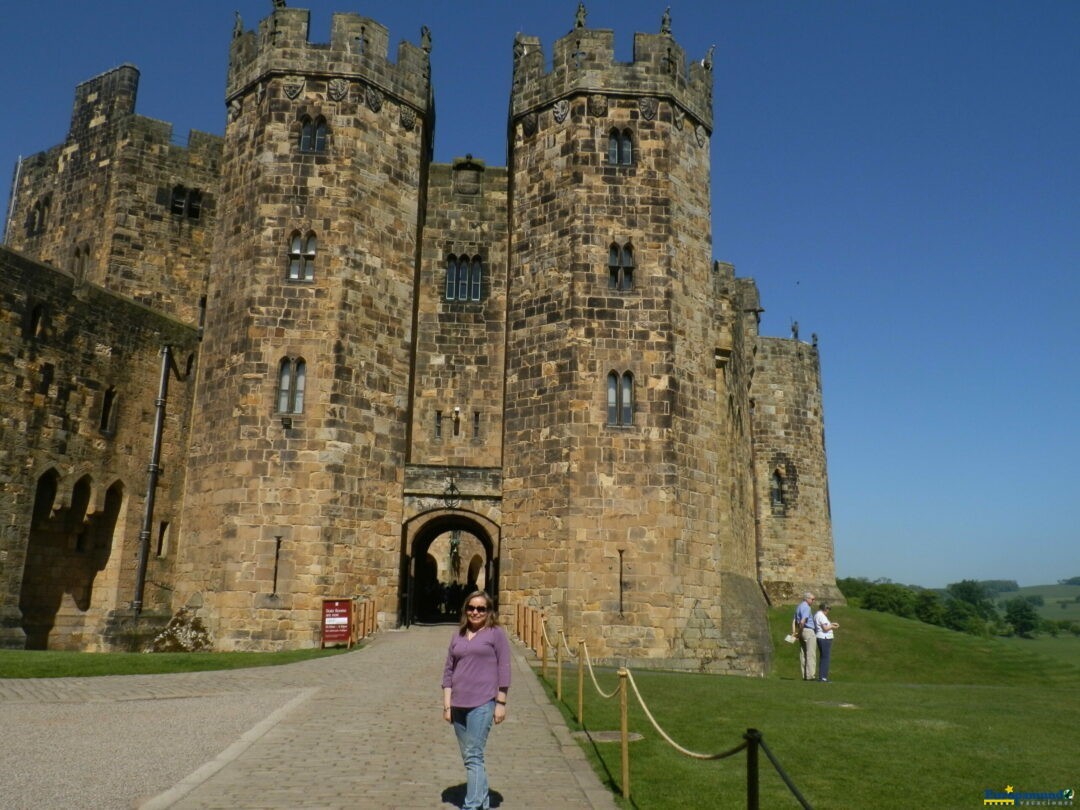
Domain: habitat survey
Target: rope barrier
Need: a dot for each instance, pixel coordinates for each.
(751, 740)
(787, 780)
(671, 742)
(562, 638)
(588, 663)
(543, 630)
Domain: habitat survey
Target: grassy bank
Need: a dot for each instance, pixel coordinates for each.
(916, 716)
(56, 664)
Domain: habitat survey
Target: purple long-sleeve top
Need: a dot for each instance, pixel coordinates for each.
(477, 668)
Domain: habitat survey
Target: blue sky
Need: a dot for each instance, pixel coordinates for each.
(902, 178)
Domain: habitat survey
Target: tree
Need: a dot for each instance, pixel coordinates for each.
(853, 587)
(972, 592)
(887, 597)
(962, 616)
(1021, 614)
(928, 608)
(1069, 581)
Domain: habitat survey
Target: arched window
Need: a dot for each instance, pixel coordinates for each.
(292, 379)
(451, 277)
(302, 256)
(620, 398)
(312, 134)
(477, 274)
(620, 147)
(107, 423)
(621, 267)
(464, 278)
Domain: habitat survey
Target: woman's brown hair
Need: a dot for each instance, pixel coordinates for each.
(491, 619)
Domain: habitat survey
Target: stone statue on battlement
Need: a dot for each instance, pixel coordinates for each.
(665, 22)
(579, 19)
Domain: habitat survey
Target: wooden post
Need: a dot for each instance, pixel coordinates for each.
(581, 681)
(558, 667)
(543, 649)
(624, 732)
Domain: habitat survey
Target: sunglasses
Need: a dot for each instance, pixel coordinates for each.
(476, 609)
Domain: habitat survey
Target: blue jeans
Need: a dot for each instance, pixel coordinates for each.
(825, 645)
(471, 727)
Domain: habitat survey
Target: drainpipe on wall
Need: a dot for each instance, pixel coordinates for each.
(12, 198)
(154, 471)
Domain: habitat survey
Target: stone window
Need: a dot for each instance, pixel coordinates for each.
(620, 148)
(621, 267)
(185, 202)
(107, 422)
(38, 217)
(438, 424)
(82, 260)
(620, 398)
(34, 325)
(476, 424)
(464, 278)
(163, 539)
(292, 377)
(777, 493)
(312, 134)
(302, 250)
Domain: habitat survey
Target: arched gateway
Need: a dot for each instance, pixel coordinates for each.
(445, 553)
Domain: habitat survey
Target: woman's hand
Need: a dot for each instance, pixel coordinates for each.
(446, 713)
(500, 712)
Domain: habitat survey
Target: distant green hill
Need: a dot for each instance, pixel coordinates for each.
(1059, 601)
(879, 647)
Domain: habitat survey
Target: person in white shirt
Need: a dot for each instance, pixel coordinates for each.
(823, 629)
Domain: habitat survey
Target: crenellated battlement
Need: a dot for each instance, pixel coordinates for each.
(583, 62)
(358, 48)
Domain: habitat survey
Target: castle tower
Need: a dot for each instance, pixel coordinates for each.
(795, 549)
(118, 203)
(299, 437)
(627, 384)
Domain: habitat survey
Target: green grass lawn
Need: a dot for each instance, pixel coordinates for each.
(917, 716)
(56, 664)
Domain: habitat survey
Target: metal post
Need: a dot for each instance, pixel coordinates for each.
(624, 733)
(753, 737)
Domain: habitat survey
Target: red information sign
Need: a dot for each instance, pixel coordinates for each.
(337, 621)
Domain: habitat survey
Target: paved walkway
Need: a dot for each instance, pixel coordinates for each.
(361, 730)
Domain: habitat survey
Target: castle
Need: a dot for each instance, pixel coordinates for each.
(304, 361)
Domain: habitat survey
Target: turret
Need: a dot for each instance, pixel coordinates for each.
(617, 415)
(304, 379)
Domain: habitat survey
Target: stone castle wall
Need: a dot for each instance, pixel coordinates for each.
(79, 373)
(795, 546)
(459, 365)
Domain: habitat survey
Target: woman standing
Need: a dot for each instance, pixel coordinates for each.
(824, 639)
(475, 682)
